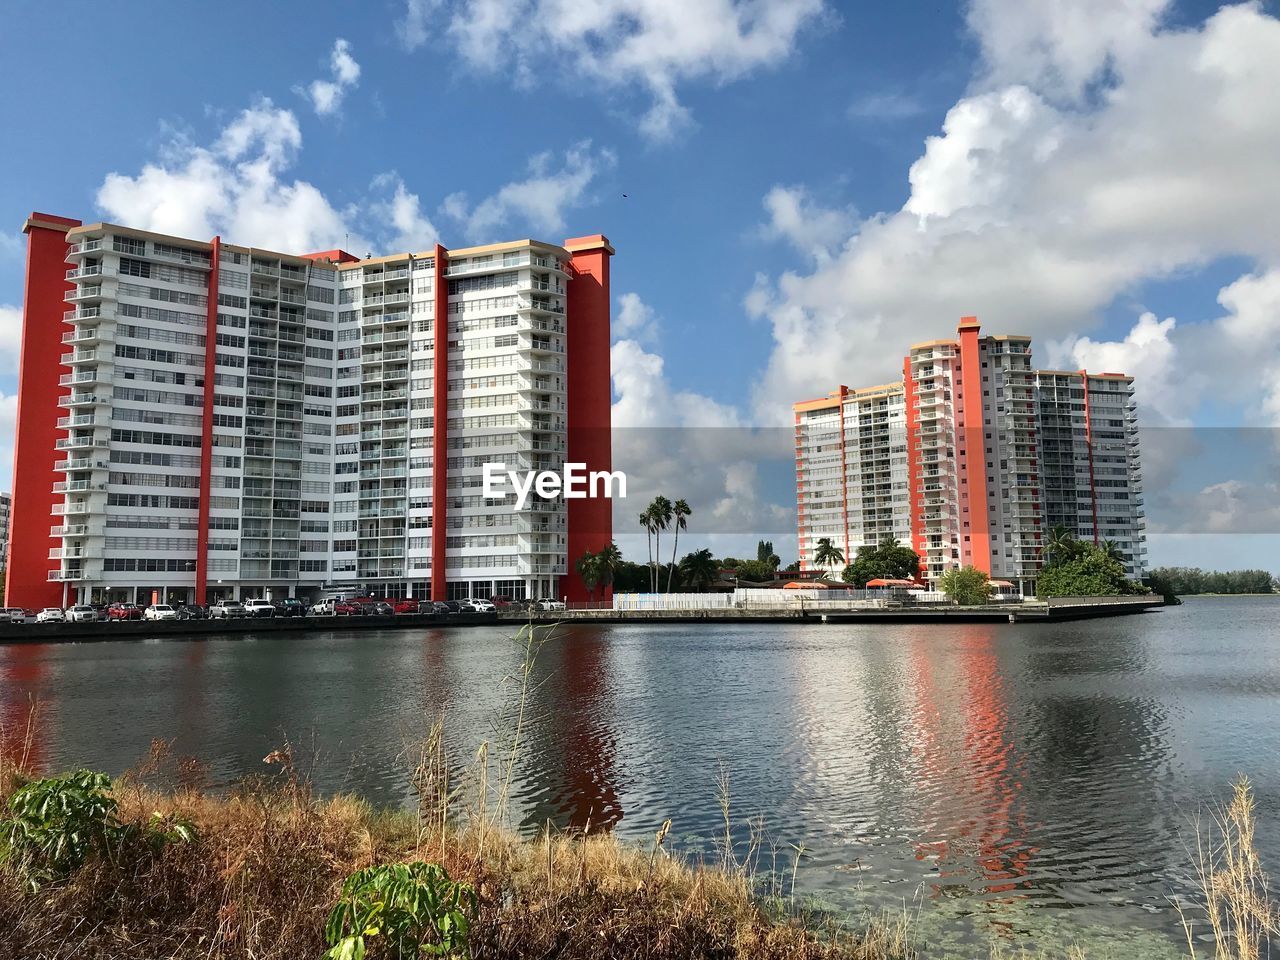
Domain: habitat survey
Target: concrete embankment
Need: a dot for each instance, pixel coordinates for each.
(193, 629)
(1038, 611)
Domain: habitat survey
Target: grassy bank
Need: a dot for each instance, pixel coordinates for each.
(255, 873)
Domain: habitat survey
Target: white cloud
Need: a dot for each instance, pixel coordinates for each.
(1035, 216)
(10, 338)
(618, 45)
(412, 28)
(327, 95)
(414, 231)
(8, 428)
(1060, 45)
(540, 200)
(1149, 354)
(814, 230)
(886, 105)
(634, 320)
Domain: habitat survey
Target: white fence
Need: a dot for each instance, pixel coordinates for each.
(809, 598)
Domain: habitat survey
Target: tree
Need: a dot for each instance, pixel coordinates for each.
(792, 567)
(1112, 550)
(1090, 573)
(754, 571)
(699, 569)
(966, 586)
(680, 512)
(646, 521)
(588, 568)
(1184, 581)
(1060, 545)
(609, 559)
(765, 554)
(660, 511)
(827, 554)
(889, 560)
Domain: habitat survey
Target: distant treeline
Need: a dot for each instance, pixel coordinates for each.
(1183, 581)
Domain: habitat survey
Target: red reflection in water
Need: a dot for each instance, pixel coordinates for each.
(22, 715)
(588, 794)
(966, 748)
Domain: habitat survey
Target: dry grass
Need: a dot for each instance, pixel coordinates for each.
(270, 858)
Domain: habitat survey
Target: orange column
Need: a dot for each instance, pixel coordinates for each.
(206, 442)
(915, 495)
(39, 390)
(590, 397)
(440, 430)
(969, 413)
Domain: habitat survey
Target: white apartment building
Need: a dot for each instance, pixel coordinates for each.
(341, 410)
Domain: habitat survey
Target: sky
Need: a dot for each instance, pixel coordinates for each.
(796, 189)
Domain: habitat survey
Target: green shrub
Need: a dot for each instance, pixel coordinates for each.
(56, 823)
(966, 586)
(1089, 574)
(414, 907)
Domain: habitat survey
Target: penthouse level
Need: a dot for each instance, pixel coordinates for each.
(200, 419)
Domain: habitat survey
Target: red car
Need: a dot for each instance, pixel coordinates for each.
(404, 605)
(124, 611)
(500, 602)
(347, 608)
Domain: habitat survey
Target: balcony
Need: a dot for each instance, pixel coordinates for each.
(81, 443)
(88, 270)
(87, 336)
(83, 292)
(82, 313)
(84, 400)
(83, 247)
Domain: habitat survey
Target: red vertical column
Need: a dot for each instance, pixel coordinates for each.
(969, 409)
(440, 430)
(35, 441)
(206, 440)
(915, 495)
(590, 391)
(1088, 440)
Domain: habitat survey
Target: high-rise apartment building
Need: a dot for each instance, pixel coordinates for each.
(971, 459)
(198, 419)
(6, 502)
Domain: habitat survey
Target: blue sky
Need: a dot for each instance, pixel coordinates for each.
(810, 186)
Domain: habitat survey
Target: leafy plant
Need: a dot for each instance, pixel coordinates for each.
(967, 586)
(415, 907)
(55, 823)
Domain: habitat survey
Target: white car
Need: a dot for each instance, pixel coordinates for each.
(548, 604)
(480, 606)
(12, 615)
(51, 615)
(258, 607)
(227, 610)
(160, 611)
(82, 613)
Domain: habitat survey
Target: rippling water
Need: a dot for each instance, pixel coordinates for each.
(989, 776)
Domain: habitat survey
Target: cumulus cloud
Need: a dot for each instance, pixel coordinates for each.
(238, 188)
(539, 201)
(811, 228)
(1035, 215)
(402, 213)
(8, 427)
(10, 338)
(656, 45)
(327, 95)
(635, 320)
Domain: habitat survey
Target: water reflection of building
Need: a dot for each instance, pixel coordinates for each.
(23, 717)
(570, 769)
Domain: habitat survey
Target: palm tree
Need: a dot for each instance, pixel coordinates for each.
(646, 521)
(827, 554)
(679, 511)
(588, 568)
(699, 568)
(609, 559)
(1112, 550)
(1059, 546)
(660, 511)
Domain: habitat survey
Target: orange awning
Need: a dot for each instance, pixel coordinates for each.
(797, 585)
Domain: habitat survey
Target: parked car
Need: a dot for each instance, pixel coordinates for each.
(82, 613)
(480, 606)
(227, 610)
(12, 615)
(124, 611)
(547, 603)
(500, 602)
(193, 611)
(160, 611)
(439, 606)
(454, 606)
(406, 605)
(259, 607)
(51, 615)
(290, 607)
(379, 608)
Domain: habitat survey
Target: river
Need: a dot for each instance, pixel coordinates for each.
(1032, 781)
